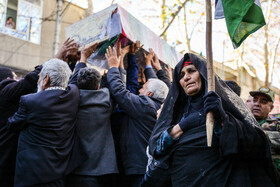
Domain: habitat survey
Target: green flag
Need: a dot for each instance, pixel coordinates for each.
(243, 17)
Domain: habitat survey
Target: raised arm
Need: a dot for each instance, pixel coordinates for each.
(149, 72)
(85, 53)
(161, 74)
(68, 45)
(127, 101)
(132, 69)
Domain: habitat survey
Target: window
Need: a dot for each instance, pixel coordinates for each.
(21, 19)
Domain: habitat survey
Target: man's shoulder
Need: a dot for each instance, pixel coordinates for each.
(271, 124)
(5, 83)
(100, 94)
(272, 120)
(52, 93)
(101, 91)
(96, 100)
(149, 102)
(32, 97)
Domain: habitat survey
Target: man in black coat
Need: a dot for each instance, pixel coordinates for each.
(10, 92)
(141, 111)
(47, 147)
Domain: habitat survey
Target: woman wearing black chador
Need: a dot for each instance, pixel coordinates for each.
(240, 153)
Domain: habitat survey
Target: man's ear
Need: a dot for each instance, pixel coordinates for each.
(272, 106)
(65, 59)
(150, 94)
(46, 82)
(98, 87)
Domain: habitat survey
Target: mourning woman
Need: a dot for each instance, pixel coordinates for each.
(239, 155)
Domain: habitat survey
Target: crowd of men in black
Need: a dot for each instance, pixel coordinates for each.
(65, 124)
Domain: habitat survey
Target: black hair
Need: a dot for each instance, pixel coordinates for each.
(234, 86)
(88, 79)
(5, 73)
(9, 18)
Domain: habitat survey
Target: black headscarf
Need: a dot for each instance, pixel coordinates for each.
(176, 100)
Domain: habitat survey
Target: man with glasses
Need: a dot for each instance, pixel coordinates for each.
(262, 105)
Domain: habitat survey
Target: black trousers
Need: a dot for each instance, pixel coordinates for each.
(91, 181)
(130, 180)
(57, 183)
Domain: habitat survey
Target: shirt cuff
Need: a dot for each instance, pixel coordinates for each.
(148, 66)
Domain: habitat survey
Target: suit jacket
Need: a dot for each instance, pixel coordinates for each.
(94, 128)
(10, 93)
(47, 146)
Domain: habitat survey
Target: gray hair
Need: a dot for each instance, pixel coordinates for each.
(58, 71)
(158, 87)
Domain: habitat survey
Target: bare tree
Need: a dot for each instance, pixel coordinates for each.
(173, 17)
(273, 58)
(266, 52)
(89, 9)
(163, 18)
(57, 26)
(186, 30)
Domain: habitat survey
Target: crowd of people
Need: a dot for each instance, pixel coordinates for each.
(65, 124)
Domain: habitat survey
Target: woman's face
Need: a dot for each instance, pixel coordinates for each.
(190, 80)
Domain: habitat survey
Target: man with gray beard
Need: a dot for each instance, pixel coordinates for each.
(48, 148)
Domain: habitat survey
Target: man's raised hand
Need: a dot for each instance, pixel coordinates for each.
(134, 48)
(169, 72)
(112, 58)
(68, 45)
(155, 63)
(148, 58)
(122, 52)
(86, 52)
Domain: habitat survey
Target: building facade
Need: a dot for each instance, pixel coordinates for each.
(30, 42)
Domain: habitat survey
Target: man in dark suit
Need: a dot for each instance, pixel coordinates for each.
(142, 113)
(10, 92)
(47, 147)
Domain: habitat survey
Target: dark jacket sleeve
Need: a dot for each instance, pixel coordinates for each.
(128, 101)
(73, 78)
(242, 139)
(25, 86)
(104, 82)
(123, 74)
(18, 120)
(132, 74)
(161, 74)
(150, 74)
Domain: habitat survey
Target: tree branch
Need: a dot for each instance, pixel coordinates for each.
(173, 17)
(273, 57)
